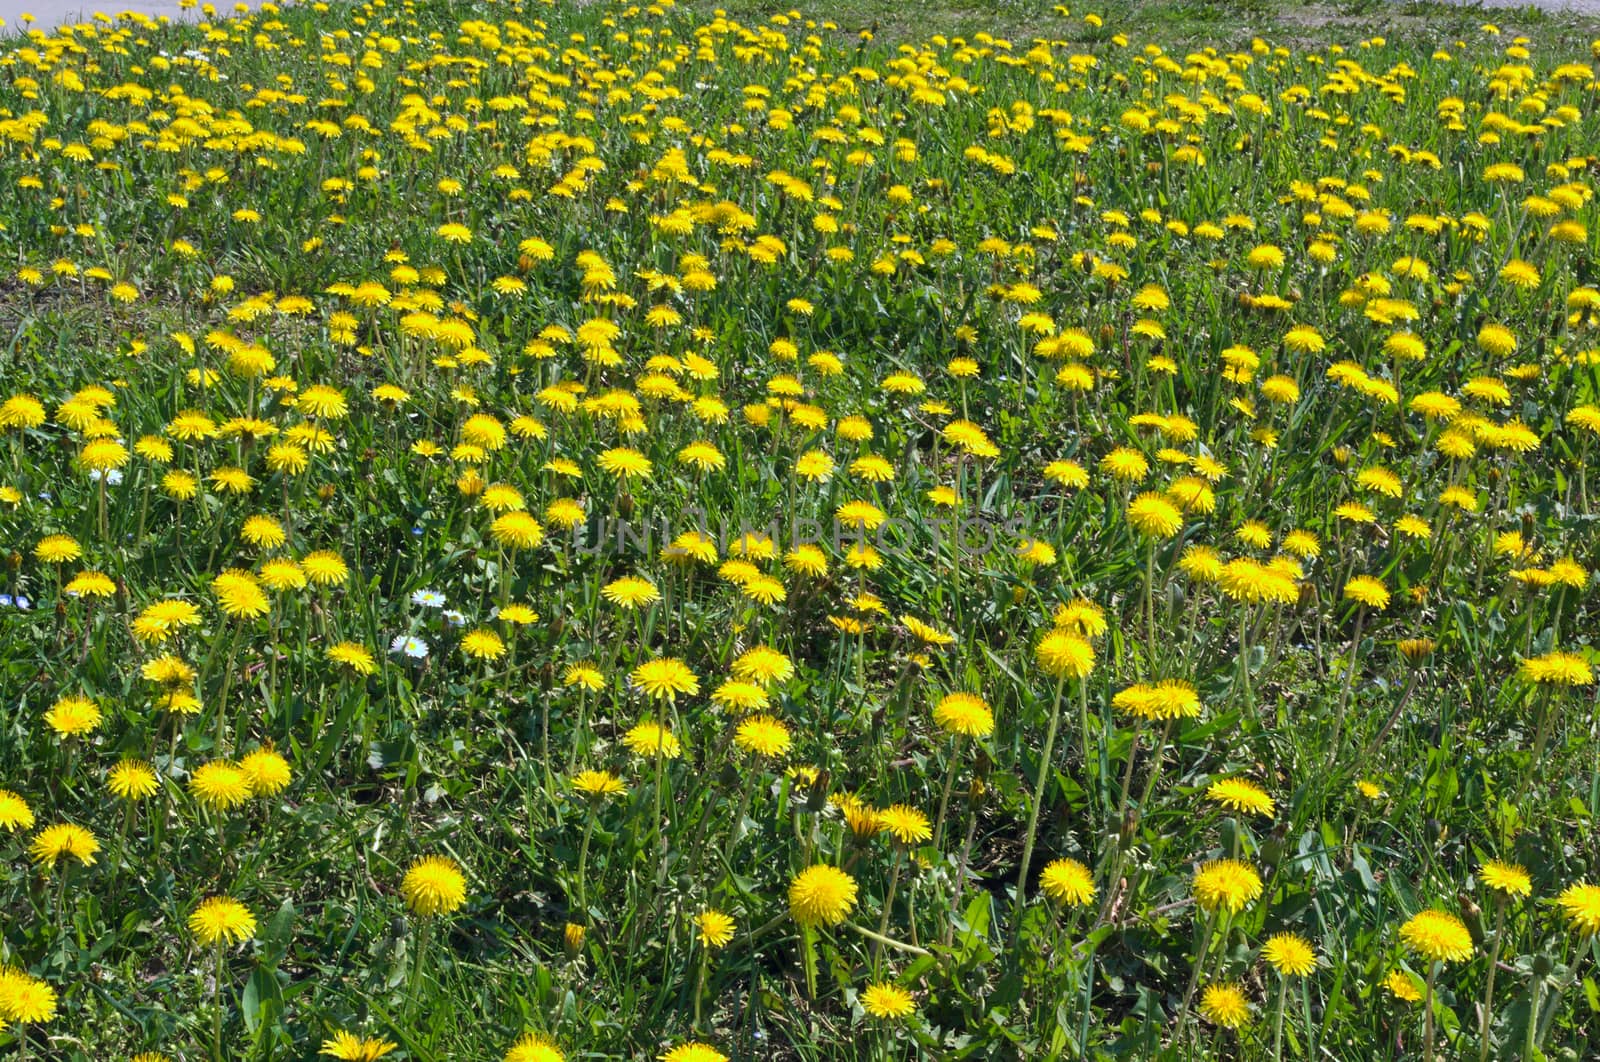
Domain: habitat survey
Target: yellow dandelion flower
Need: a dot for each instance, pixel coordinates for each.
(534, 1047)
(693, 1051)
(1067, 882)
(1402, 986)
(1508, 879)
(348, 1047)
(905, 823)
(434, 885)
(650, 739)
(15, 814)
(221, 920)
(762, 735)
(1225, 1005)
(716, 928)
(1226, 884)
(887, 1002)
(132, 780)
(63, 839)
(1064, 655)
(1437, 936)
(1240, 795)
(1580, 904)
(822, 895)
(965, 714)
(1289, 955)
(220, 785)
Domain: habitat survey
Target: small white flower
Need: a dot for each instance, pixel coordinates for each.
(410, 645)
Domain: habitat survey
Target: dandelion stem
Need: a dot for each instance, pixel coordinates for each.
(735, 831)
(583, 725)
(1127, 772)
(1155, 765)
(769, 925)
(1194, 978)
(583, 861)
(888, 904)
(944, 797)
(424, 932)
(1349, 682)
(1277, 1021)
(1305, 1015)
(808, 958)
(700, 984)
(1038, 801)
(122, 842)
(1394, 716)
(898, 945)
(1545, 716)
(61, 914)
(1244, 662)
(1488, 990)
(1542, 1018)
(961, 875)
(955, 538)
(1103, 766)
(216, 1009)
(227, 681)
(655, 819)
(1427, 1015)
(1150, 606)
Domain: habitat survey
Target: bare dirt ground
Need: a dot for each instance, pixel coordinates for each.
(49, 13)
(1576, 7)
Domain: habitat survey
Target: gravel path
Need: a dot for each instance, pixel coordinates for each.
(55, 12)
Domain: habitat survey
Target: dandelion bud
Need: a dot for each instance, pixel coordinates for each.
(572, 939)
(1416, 650)
(1272, 847)
(817, 793)
(1472, 915)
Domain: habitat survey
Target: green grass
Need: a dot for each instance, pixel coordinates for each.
(1061, 316)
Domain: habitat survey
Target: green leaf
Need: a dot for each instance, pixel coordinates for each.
(260, 999)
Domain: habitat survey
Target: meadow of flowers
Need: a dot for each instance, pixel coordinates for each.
(620, 532)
